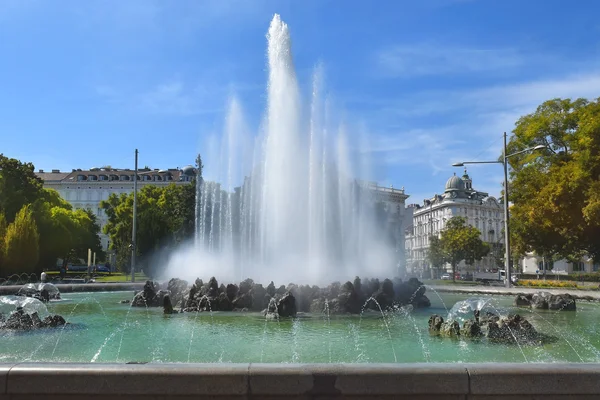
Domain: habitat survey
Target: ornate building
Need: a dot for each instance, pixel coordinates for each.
(394, 204)
(459, 199)
(87, 188)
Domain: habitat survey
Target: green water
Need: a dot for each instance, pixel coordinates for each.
(103, 330)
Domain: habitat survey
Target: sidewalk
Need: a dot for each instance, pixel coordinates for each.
(513, 291)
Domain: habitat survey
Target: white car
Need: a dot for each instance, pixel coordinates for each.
(446, 277)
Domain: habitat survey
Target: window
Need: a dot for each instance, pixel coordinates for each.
(596, 267)
(578, 267)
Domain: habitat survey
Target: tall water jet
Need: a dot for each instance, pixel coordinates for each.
(287, 207)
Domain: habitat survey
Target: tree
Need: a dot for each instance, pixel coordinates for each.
(165, 216)
(460, 242)
(19, 186)
(435, 254)
(556, 192)
(2, 239)
(21, 243)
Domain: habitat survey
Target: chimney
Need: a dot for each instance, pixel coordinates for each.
(55, 171)
(41, 171)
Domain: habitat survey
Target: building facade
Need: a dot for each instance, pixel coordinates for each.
(480, 210)
(85, 189)
(533, 264)
(394, 201)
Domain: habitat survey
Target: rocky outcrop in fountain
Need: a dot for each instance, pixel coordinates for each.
(151, 296)
(19, 320)
(349, 298)
(510, 329)
(43, 291)
(546, 301)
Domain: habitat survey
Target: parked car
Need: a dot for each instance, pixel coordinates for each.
(102, 268)
(446, 277)
(467, 277)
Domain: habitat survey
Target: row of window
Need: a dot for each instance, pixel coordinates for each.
(112, 177)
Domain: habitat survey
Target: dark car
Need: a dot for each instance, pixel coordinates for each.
(102, 268)
(467, 277)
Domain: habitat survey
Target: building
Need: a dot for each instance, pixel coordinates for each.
(87, 188)
(534, 264)
(394, 203)
(459, 199)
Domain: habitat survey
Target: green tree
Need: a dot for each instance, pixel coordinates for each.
(461, 242)
(556, 192)
(435, 255)
(165, 215)
(3, 227)
(19, 186)
(21, 243)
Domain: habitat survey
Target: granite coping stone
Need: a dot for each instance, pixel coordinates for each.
(456, 380)
(529, 379)
(4, 369)
(129, 379)
(358, 379)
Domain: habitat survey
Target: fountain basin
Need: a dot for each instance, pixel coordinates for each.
(301, 381)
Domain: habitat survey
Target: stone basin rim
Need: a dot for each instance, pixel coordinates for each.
(244, 380)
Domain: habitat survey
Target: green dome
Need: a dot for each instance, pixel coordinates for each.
(455, 183)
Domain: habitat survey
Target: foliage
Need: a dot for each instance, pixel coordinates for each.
(556, 192)
(18, 186)
(547, 284)
(458, 242)
(435, 254)
(165, 216)
(21, 243)
(3, 227)
(63, 233)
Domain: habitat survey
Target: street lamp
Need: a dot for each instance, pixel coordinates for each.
(504, 162)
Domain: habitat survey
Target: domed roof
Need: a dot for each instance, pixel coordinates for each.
(188, 170)
(455, 183)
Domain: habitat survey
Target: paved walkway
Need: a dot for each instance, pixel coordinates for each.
(82, 287)
(579, 294)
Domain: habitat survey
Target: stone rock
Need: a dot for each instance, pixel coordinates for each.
(562, 302)
(258, 297)
(281, 290)
(271, 289)
(450, 329)
(522, 301)
(151, 296)
(177, 288)
(243, 301)
(167, 306)
(223, 303)
(231, 291)
(511, 329)
(471, 329)
(286, 307)
(348, 300)
(385, 295)
(213, 288)
(54, 321)
(245, 286)
(539, 301)
(435, 324)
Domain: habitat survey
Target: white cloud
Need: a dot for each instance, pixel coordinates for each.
(421, 136)
(428, 59)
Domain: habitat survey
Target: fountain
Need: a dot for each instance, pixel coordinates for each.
(292, 210)
(297, 216)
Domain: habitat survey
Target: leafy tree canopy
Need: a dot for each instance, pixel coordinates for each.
(556, 192)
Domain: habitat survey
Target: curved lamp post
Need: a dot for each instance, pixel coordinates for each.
(504, 162)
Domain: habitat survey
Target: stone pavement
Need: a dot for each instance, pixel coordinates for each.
(513, 291)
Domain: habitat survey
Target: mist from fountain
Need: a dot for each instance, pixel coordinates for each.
(283, 204)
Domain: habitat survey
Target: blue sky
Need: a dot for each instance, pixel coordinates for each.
(85, 82)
